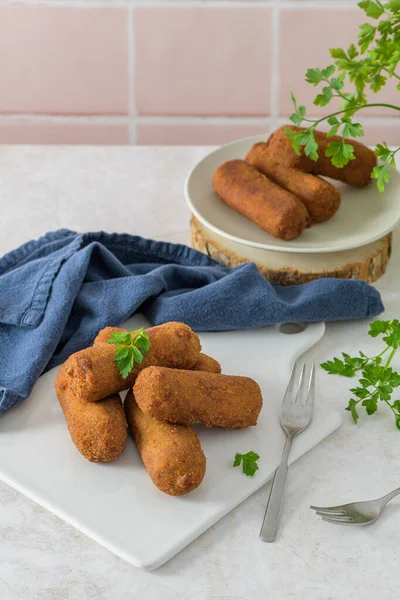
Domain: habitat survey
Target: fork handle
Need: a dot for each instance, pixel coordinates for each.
(270, 524)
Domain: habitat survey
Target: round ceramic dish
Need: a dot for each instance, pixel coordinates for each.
(364, 216)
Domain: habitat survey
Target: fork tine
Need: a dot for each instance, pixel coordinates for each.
(301, 385)
(334, 517)
(337, 522)
(292, 380)
(329, 511)
(311, 389)
(328, 508)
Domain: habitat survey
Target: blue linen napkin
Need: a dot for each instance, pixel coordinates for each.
(57, 292)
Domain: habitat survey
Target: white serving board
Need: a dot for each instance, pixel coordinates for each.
(375, 214)
(116, 504)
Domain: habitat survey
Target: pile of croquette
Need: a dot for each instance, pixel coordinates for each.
(281, 191)
(174, 387)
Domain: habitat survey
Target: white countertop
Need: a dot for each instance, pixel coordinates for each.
(139, 190)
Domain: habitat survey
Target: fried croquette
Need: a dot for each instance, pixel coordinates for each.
(171, 453)
(320, 198)
(93, 375)
(250, 193)
(357, 172)
(188, 397)
(104, 334)
(204, 363)
(98, 429)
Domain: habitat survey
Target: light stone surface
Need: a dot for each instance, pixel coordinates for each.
(140, 190)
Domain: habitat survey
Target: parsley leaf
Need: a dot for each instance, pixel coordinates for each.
(131, 347)
(248, 461)
(338, 53)
(382, 176)
(306, 138)
(377, 82)
(314, 76)
(339, 367)
(372, 9)
(352, 129)
(324, 98)
(383, 152)
(294, 138)
(352, 408)
(393, 5)
(394, 380)
(378, 327)
(340, 152)
(296, 119)
(366, 34)
(378, 379)
(371, 405)
(352, 51)
(119, 337)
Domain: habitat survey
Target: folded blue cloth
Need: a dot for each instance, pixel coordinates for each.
(56, 293)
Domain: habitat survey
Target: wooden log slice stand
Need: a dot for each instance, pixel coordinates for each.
(283, 268)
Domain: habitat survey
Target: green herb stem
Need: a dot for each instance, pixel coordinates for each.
(391, 408)
(353, 110)
(389, 360)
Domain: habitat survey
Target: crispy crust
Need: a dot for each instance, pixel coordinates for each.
(260, 200)
(98, 430)
(172, 454)
(92, 373)
(189, 397)
(206, 363)
(321, 199)
(357, 172)
(104, 334)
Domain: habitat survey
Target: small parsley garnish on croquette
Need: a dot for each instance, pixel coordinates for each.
(249, 462)
(132, 346)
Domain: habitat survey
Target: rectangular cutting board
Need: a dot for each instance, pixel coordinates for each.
(116, 504)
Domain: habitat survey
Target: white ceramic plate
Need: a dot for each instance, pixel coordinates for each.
(116, 504)
(364, 216)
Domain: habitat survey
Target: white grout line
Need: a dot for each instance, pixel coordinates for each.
(143, 3)
(172, 120)
(76, 119)
(202, 3)
(319, 4)
(131, 77)
(385, 121)
(89, 4)
(374, 121)
(189, 120)
(296, 4)
(274, 81)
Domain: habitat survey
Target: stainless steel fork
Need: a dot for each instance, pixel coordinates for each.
(355, 513)
(296, 415)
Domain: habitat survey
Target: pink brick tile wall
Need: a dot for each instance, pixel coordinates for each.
(201, 134)
(63, 60)
(167, 71)
(19, 131)
(203, 61)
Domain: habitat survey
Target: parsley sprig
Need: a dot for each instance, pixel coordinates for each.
(248, 461)
(378, 380)
(132, 346)
(366, 67)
